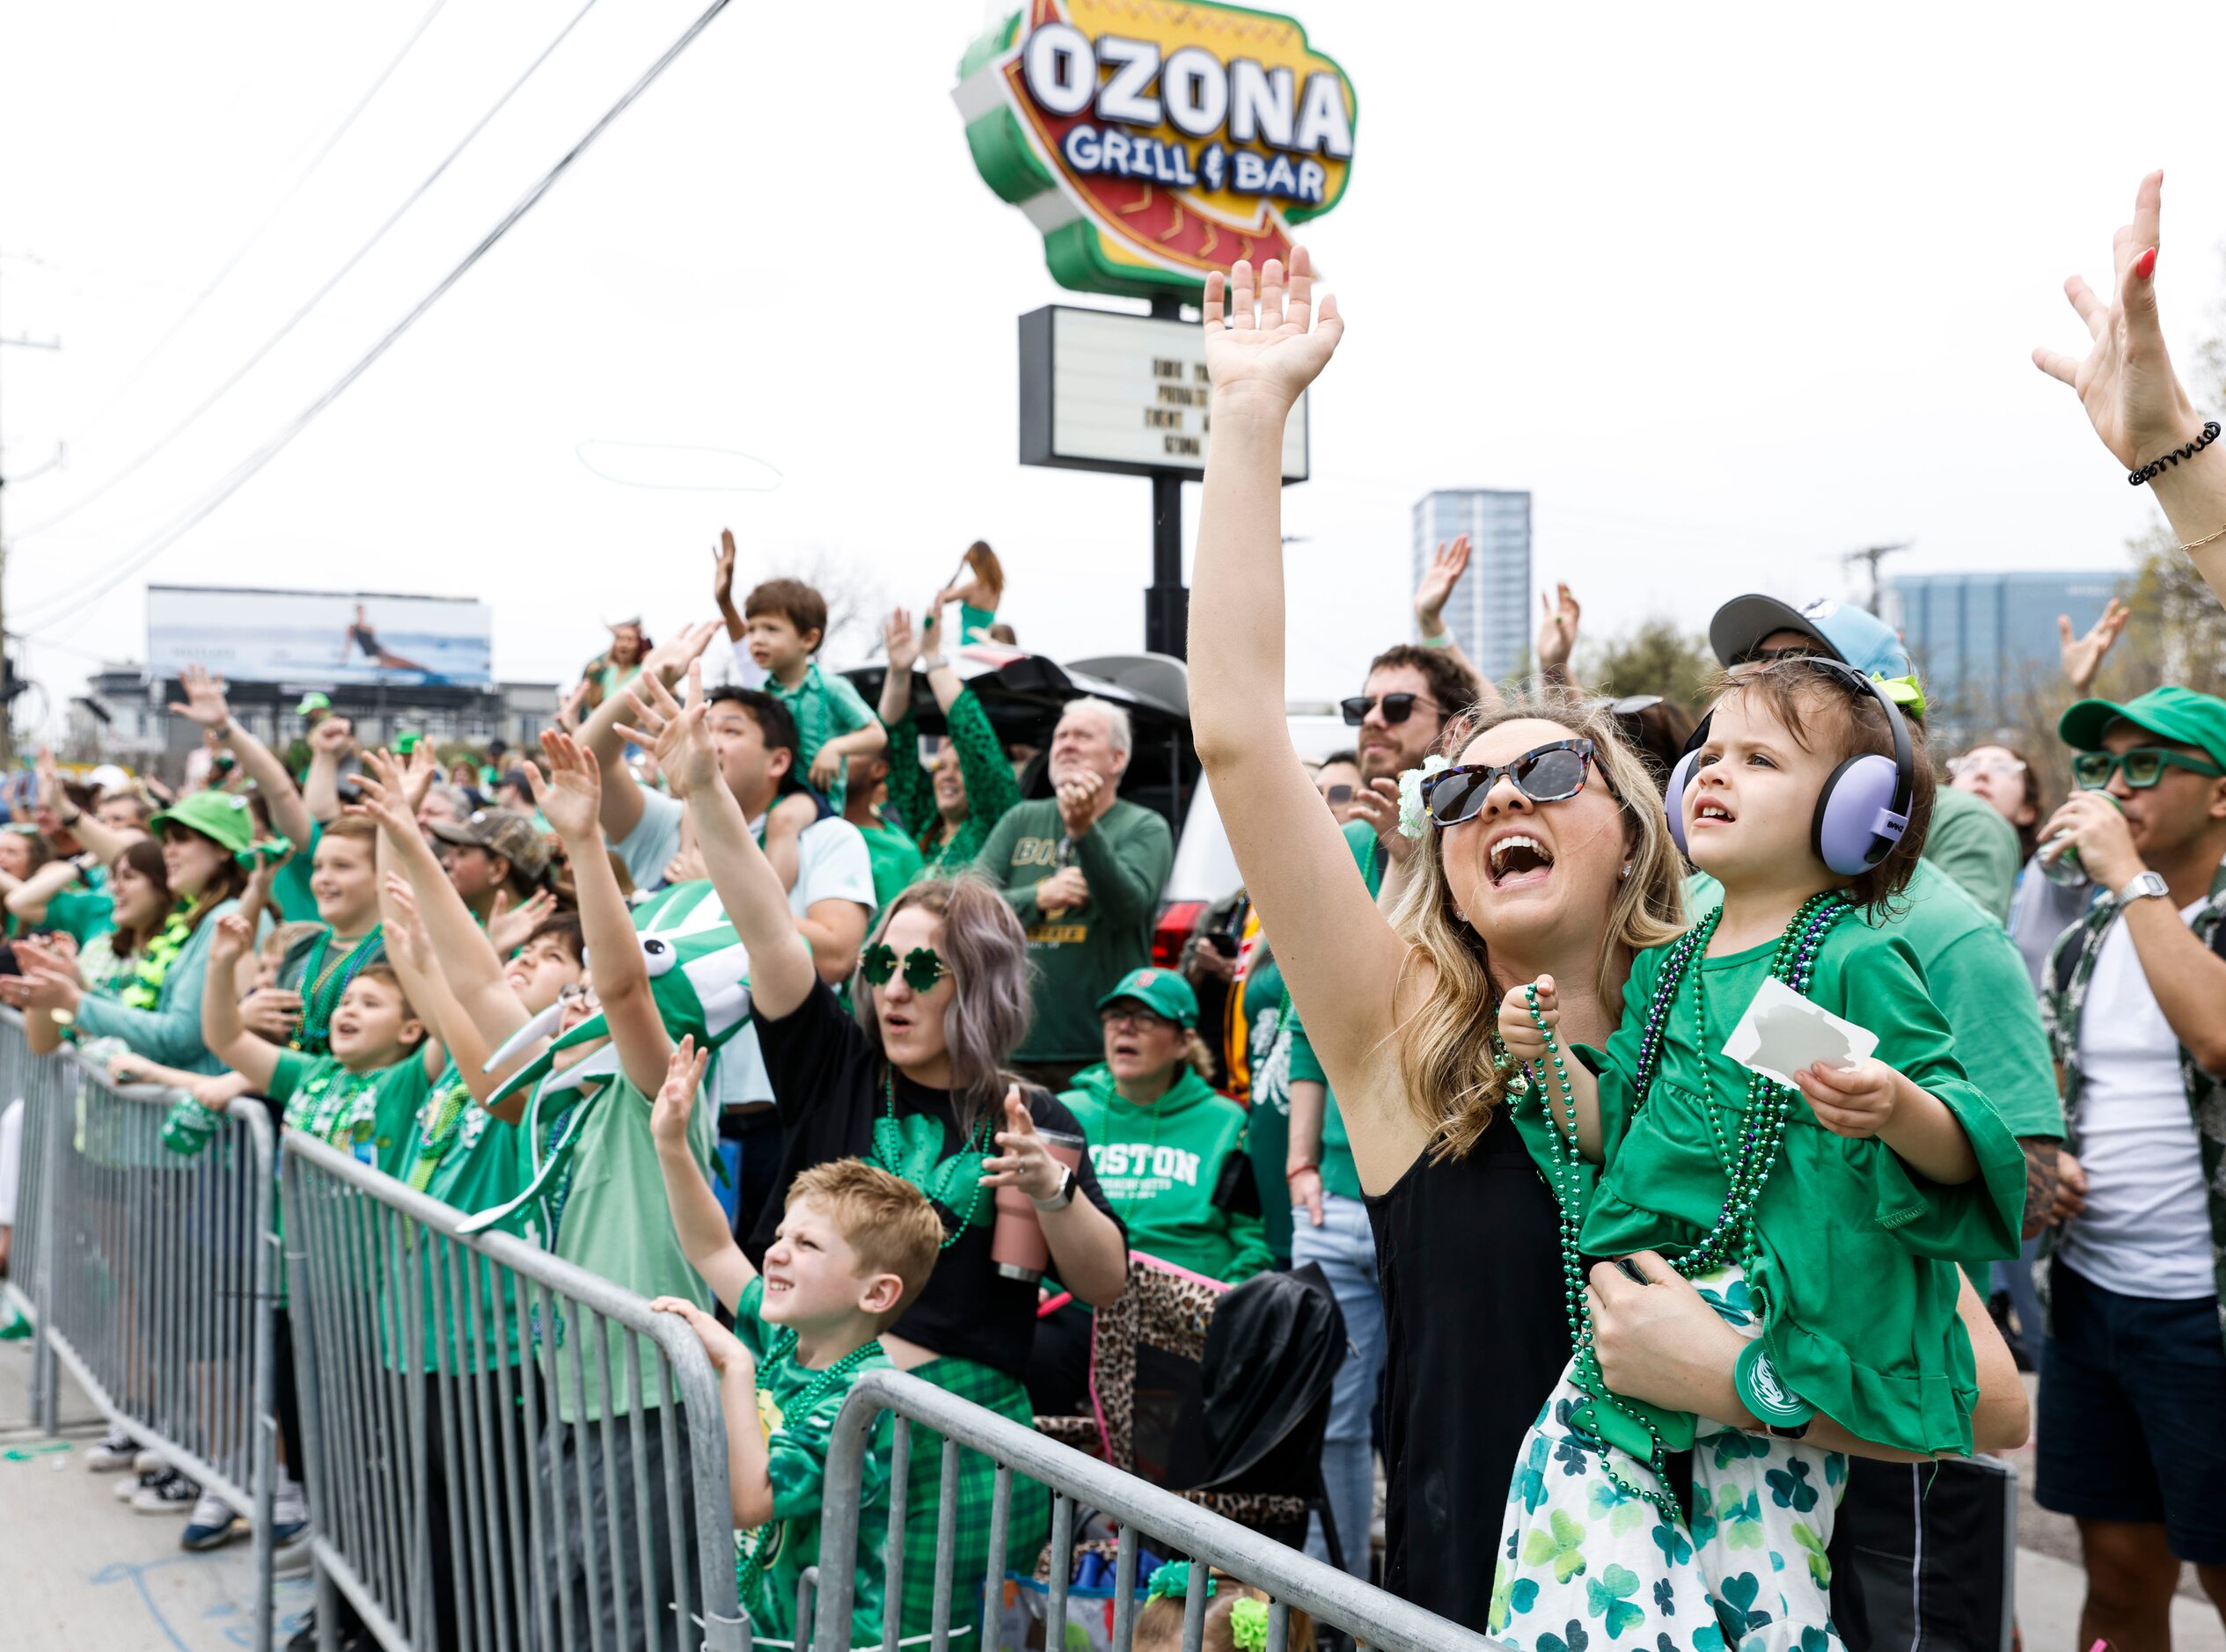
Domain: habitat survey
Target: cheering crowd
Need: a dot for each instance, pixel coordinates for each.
(1678, 1100)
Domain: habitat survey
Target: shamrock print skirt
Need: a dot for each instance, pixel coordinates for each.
(1586, 1566)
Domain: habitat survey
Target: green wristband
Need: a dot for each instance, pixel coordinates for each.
(1764, 1392)
(1443, 639)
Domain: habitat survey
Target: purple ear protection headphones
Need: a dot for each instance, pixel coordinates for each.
(1865, 807)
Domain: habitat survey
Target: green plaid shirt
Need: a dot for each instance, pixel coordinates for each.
(2063, 994)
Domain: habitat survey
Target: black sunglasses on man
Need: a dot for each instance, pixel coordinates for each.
(1396, 707)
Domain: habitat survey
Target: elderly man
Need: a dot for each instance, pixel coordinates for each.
(1084, 870)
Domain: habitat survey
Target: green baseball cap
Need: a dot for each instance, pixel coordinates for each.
(1162, 991)
(314, 701)
(222, 818)
(2175, 713)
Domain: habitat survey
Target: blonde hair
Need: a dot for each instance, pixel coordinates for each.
(884, 1218)
(1446, 1049)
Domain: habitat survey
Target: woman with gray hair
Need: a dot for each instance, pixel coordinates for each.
(916, 1079)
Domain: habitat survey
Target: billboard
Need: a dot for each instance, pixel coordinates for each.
(320, 639)
(1153, 141)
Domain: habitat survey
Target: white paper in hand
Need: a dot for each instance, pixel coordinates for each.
(1782, 1032)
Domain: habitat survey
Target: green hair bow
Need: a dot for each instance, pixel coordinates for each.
(1172, 1582)
(1904, 691)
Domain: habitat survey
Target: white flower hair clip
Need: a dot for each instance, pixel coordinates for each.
(1412, 815)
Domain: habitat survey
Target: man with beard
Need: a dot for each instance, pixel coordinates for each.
(1084, 870)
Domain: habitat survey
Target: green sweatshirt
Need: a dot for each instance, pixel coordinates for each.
(1178, 1173)
(1083, 952)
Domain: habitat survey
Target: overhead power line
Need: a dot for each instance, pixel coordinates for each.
(318, 296)
(269, 218)
(105, 580)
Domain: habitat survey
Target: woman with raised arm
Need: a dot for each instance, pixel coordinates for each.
(950, 808)
(915, 1080)
(2134, 399)
(1543, 851)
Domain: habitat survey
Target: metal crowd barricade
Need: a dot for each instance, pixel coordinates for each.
(1335, 1599)
(150, 1275)
(453, 1501)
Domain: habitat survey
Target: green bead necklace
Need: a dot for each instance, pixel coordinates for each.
(1747, 1167)
(889, 1154)
(752, 1567)
(315, 1032)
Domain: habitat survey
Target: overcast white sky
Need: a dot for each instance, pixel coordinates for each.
(1730, 295)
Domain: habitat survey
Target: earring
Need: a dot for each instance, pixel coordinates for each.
(1626, 872)
(1459, 917)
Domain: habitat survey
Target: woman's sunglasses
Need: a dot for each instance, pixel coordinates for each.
(1396, 707)
(2143, 766)
(923, 969)
(1544, 774)
(1998, 768)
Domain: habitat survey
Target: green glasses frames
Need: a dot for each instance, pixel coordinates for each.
(923, 968)
(2143, 766)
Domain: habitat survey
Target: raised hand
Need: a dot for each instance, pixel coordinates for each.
(667, 661)
(382, 787)
(723, 568)
(1558, 634)
(570, 797)
(1438, 582)
(900, 641)
(2082, 656)
(1378, 803)
(506, 929)
(1267, 352)
(204, 699)
(673, 732)
(676, 1099)
(1026, 1162)
(233, 940)
(2133, 398)
(334, 736)
(404, 927)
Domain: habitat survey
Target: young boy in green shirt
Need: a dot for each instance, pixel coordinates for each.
(785, 621)
(854, 1246)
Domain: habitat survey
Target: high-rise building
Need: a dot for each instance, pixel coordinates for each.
(1986, 643)
(1490, 612)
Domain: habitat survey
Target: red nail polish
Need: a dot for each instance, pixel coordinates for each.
(2146, 264)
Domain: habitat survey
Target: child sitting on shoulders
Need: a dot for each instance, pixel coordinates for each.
(785, 621)
(1824, 1223)
(854, 1246)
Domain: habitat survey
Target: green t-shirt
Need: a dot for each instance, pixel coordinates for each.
(86, 914)
(1176, 1174)
(463, 1155)
(1970, 842)
(1080, 952)
(617, 1223)
(367, 1113)
(897, 861)
(289, 890)
(825, 708)
(796, 1442)
(1855, 1273)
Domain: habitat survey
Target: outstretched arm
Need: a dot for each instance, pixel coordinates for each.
(329, 742)
(2134, 399)
(570, 800)
(705, 1239)
(600, 739)
(1339, 955)
(781, 967)
(206, 705)
(86, 828)
(221, 1029)
(1436, 588)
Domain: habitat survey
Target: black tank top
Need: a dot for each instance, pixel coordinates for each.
(1468, 1253)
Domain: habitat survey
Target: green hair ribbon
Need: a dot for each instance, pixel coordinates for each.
(1172, 1582)
(1904, 691)
(1249, 1625)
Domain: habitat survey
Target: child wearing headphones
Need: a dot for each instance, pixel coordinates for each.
(1823, 1221)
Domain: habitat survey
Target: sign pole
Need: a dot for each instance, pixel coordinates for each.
(1167, 604)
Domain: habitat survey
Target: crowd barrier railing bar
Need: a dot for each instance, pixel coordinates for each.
(151, 1276)
(1335, 1599)
(469, 1486)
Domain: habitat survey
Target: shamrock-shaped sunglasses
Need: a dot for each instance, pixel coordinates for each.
(923, 967)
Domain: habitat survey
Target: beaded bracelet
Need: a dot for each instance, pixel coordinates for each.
(2156, 468)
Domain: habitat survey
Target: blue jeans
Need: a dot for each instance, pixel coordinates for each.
(1345, 1248)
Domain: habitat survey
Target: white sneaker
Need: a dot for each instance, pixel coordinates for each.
(173, 1493)
(151, 1462)
(115, 1452)
(288, 1504)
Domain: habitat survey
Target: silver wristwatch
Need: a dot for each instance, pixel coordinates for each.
(2146, 884)
(1064, 1197)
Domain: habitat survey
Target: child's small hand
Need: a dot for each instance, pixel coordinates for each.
(827, 766)
(231, 940)
(723, 1346)
(1517, 1030)
(1854, 1100)
(676, 1101)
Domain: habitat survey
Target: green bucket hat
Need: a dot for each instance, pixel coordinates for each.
(1162, 991)
(2172, 712)
(222, 817)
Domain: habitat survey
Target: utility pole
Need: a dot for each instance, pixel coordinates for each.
(1870, 556)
